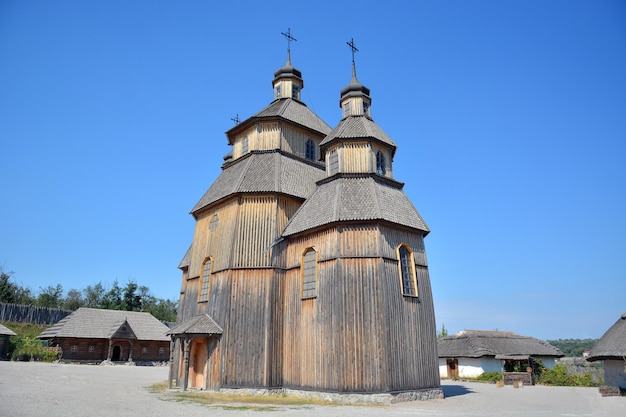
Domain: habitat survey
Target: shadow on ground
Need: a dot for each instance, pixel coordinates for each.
(455, 390)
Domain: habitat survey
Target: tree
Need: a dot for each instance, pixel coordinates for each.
(73, 300)
(131, 301)
(51, 297)
(112, 300)
(443, 333)
(11, 292)
(93, 296)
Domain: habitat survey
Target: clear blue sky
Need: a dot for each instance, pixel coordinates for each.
(509, 116)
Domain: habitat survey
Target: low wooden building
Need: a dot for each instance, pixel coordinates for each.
(470, 353)
(307, 270)
(91, 334)
(611, 348)
(5, 334)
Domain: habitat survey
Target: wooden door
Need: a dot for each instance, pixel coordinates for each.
(453, 368)
(198, 363)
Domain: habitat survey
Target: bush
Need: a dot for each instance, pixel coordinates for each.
(490, 376)
(560, 377)
(34, 350)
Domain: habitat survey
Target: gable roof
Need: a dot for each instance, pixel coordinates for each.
(356, 197)
(612, 345)
(501, 345)
(96, 323)
(6, 331)
(263, 172)
(202, 324)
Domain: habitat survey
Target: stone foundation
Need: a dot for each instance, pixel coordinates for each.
(344, 398)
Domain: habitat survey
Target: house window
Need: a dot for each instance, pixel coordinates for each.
(380, 163)
(204, 282)
(333, 165)
(74, 348)
(310, 150)
(365, 109)
(244, 145)
(406, 268)
(295, 92)
(277, 92)
(144, 350)
(92, 348)
(161, 350)
(309, 273)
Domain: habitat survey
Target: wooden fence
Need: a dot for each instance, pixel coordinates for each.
(31, 314)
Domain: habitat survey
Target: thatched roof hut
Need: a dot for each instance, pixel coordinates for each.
(611, 348)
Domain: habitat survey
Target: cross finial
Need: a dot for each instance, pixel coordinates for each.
(235, 119)
(289, 39)
(353, 47)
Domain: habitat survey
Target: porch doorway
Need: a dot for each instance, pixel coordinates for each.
(117, 353)
(453, 368)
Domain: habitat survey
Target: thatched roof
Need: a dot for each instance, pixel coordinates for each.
(5, 331)
(202, 324)
(500, 345)
(105, 324)
(612, 345)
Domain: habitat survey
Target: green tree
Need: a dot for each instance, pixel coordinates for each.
(11, 292)
(131, 300)
(112, 300)
(93, 296)
(73, 300)
(50, 297)
(443, 332)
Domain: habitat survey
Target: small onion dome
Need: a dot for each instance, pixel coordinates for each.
(354, 89)
(287, 71)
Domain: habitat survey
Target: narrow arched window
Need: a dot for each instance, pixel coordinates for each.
(204, 282)
(381, 169)
(310, 150)
(244, 145)
(309, 274)
(406, 268)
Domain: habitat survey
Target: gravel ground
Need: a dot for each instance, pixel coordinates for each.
(61, 390)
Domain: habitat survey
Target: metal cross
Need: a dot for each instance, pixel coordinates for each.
(353, 47)
(235, 119)
(289, 38)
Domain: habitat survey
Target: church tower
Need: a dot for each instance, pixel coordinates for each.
(307, 269)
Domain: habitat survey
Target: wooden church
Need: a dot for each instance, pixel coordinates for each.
(307, 269)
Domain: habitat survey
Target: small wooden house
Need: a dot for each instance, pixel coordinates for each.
(472, 352)
(307, 270)
(91, 334)
(611, 348)
(5, 334)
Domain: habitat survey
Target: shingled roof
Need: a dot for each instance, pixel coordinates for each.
(501, 345)
(356, 198)
(294, 111)
(266, 172)
(5, 331)
(202, 324)
(104, 324)
(612, 345)
(358, 127)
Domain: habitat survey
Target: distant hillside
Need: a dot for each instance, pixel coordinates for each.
(573, 347)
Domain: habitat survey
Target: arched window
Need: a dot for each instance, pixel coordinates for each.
(406, 267)
(204, 282)
(381, 169)
(309, 274)
(310, 150)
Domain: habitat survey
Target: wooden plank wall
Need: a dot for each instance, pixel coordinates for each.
(372, 337)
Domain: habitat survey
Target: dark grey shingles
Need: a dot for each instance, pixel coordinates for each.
(200, 324)
(296, 112)
(358, 127)
(475, 344)
(98, 323)
(264, 172)
(362, 198)
(6, 331)
(612, 344)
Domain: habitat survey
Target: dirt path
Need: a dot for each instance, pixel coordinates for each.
(30, 389)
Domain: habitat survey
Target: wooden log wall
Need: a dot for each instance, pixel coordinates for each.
(294, 140)
(20, 313)
(372, 337)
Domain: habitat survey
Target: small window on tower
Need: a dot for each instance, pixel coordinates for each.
(310, 150)
(406, 268)
(204, 283)
(295, 92)
(366, 108)
(381, 169)
(309, 274)
(277, 92)
(346, 109)
(244, 145)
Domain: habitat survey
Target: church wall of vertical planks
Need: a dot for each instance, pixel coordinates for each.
(307, 270)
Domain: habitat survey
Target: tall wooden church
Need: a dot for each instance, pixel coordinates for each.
(307, 269)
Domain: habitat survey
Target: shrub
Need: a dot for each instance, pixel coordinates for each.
(34, 350)
(490, 376)
(560, 377)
